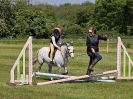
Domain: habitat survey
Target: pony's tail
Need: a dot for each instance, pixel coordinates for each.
(35, 59)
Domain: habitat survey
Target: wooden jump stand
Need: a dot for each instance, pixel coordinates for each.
(123, 72)
(18, 77)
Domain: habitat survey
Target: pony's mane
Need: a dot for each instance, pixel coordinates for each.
(65, 43)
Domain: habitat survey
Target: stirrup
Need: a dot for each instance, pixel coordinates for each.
(51, 62)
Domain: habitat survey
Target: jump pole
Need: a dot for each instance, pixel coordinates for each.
(66, 76)
(76, 78)
(51, 75)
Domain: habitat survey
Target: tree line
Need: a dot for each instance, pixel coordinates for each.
(20, 19)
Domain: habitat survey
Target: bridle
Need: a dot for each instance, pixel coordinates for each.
(68, 50)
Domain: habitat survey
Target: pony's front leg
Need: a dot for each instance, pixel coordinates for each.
(50, 71)
(66, 70)
(59, 69)
(40, 66)
(65, 67)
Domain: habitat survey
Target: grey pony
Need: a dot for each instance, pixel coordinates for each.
(60, 59)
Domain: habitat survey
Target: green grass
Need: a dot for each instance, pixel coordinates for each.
(10, 49)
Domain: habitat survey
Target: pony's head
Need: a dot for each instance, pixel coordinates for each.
(70, 49)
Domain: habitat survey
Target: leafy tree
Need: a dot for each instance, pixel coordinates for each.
(19, 19)
(82, 18)
(6, 14)
(29, 22)
(4, 32)
(5, 10)
(74, 31)
(114, 14)
(126, 18)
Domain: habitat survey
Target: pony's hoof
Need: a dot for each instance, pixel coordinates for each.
(65, 73)
(51, 78)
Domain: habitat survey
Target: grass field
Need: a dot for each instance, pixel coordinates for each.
(9, 50)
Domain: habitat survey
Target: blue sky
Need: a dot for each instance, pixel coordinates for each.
(57, 2)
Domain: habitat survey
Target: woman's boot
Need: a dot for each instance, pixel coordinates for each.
(90, 67)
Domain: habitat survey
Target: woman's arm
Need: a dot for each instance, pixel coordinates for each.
(102, 37)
